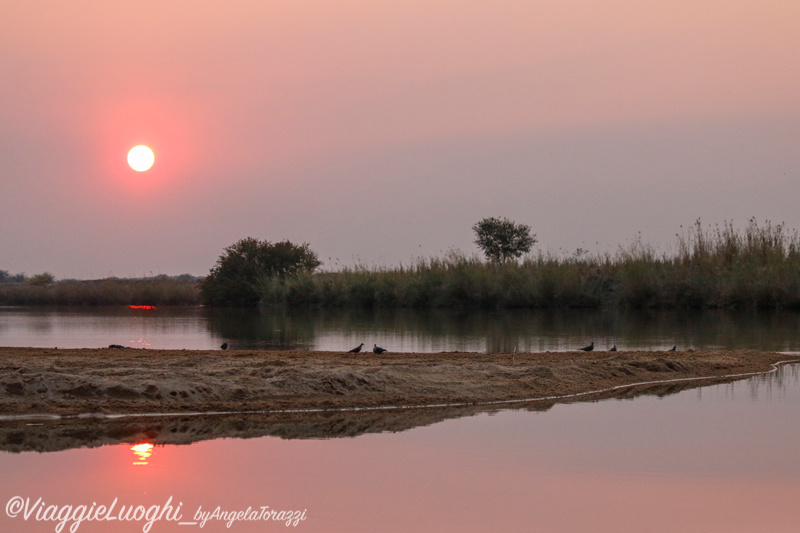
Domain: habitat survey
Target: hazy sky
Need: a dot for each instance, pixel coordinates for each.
(382, 131)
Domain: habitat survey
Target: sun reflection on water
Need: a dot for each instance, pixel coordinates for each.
(142, 451)
(141, 342)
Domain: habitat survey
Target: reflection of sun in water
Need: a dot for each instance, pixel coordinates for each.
(141, 158)
(142, 452)
(140, 342)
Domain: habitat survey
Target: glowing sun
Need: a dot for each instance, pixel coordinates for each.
(141, 158)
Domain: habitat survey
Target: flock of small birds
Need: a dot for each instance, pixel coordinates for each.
(589, 348)
(614, 348)
(378, 349)
(375, 349)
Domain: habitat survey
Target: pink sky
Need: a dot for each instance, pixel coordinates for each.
(380, 133)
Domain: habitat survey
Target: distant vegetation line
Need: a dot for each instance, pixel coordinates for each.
(718, 267)
(182, 290)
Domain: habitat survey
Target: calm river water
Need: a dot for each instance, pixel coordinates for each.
(719, 458)
(395, 330)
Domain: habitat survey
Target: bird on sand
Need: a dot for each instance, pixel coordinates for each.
(588, 348)
(356, 349)
(224, 346)
(613, 348)
(377, 349)
(674, 348)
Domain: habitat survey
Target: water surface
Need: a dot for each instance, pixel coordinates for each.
(717, 458)
(396, 330)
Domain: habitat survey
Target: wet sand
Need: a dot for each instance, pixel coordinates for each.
(109, 381)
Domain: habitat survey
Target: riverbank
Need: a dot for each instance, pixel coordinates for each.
(123, 381)
(160, 291)
(718, 267)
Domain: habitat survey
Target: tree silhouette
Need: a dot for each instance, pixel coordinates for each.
(234, 279)
(501, 239)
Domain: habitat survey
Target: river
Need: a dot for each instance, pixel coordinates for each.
(714, 458)
(396, 330)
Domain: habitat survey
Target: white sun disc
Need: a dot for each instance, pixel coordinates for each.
(141, 158)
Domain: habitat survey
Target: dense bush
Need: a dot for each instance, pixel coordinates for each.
(42, 280)
(5, 277)
(246, 265)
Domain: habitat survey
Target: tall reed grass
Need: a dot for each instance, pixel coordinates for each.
(719, 267)
(149, 291)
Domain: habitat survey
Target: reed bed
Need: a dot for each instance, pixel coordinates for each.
(113, 291)
(714, 267)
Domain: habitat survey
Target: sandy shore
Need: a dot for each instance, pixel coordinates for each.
(108, 381)
(145, 381)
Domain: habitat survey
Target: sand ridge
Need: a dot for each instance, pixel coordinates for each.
(73, 381)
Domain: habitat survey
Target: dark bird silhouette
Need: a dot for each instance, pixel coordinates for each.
(224, 346)
(588, 348)
(613, 348)
(674, 348)
(356, 349)
(377, 349)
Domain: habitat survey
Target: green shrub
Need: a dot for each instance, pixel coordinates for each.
(41, 280)
(242, 271)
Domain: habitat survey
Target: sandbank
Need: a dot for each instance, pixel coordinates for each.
(126, 381)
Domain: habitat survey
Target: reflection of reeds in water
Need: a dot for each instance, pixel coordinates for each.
(711, 268)
(776, 383)
(148, 291)
(504, 330)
